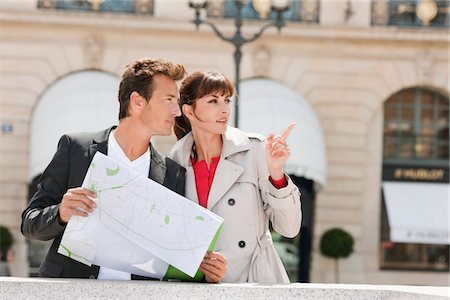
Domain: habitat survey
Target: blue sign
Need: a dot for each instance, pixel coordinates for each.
(7, 128)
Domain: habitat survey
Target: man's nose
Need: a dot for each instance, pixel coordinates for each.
(176, 110)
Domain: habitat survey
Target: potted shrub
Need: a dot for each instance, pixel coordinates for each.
(336, 243)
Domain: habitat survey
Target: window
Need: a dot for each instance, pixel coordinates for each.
(415, 146)
(411, 13)
(115, 6)
(416, 128)
(298, 10)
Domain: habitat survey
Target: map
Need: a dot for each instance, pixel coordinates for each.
(139, 226)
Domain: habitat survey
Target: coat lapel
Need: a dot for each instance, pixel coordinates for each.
(191, 190)
(226, 175)
(227, 172)
(157, 170)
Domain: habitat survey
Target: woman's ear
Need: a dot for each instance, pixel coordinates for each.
(187, 110)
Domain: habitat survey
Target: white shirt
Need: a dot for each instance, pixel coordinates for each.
(142, 166)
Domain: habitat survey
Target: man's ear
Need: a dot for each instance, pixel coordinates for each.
(136, 101)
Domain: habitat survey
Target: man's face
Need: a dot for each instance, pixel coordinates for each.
(159, 113)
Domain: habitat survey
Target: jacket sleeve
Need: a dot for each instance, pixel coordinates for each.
(40, 218)
(283, 205)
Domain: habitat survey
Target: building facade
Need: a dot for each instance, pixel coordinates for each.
(366, 81)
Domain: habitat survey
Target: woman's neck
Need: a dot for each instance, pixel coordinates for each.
(207, 145)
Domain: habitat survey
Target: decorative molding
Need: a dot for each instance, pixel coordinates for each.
(309, 11)
(380, 12)
(261, 61)
(424, 65)
(94, 48)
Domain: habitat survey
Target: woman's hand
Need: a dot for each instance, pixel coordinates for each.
(277, 152)
(214, 266)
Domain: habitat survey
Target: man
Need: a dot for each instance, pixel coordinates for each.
(148, 98)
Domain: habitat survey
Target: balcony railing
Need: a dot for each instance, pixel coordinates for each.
(306, 11)
(143, 7)
(411, 13)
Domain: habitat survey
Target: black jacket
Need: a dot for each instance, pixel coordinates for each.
(67, 170)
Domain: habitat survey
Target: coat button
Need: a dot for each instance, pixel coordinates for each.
(91, 276)
(231, 202)
(241, 244)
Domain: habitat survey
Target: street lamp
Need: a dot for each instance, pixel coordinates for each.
(263, 7)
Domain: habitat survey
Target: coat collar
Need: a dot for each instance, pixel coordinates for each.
(234, 141)
(157, 170)
(227, 172)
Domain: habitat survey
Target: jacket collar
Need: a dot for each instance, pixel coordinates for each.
(100, 143)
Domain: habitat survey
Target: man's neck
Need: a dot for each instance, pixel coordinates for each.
(133, 142)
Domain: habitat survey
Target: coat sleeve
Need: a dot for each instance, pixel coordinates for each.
(283, 205)
(40, 218)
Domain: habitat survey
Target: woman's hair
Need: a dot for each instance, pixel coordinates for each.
(195, 86)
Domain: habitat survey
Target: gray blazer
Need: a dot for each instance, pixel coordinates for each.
(67, 170)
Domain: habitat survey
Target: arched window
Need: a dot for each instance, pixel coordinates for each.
(415, 214)
(416, 128)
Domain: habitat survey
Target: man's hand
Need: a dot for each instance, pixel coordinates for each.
(277, 152)
(214, 266)
(75, 202)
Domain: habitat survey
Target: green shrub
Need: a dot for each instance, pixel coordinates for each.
(6, 241)
(336, 243)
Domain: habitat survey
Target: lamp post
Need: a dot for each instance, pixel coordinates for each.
(237, 40)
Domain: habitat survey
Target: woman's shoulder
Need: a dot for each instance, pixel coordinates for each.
(237, 133)
(181, 148)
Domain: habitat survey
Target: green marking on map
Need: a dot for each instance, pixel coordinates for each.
(167, 219)
(93, 188)
(72, 255)
(199, 218)
(93, 165)
(112, 172)
(69, 253)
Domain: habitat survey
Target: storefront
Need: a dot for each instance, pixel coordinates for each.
(415, 230)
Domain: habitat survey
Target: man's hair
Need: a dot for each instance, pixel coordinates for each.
(138, 77)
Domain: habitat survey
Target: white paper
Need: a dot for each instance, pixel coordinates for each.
(139, 226)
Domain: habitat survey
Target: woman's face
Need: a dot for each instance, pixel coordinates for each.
(210, 113)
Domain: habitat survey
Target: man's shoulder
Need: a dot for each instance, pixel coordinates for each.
(86, 138)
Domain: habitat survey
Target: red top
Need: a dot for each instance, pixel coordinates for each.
(279, 184)
(204, 179)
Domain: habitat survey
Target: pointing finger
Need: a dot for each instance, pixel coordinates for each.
(288, 130)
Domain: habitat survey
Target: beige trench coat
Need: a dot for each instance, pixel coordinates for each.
(242, 195)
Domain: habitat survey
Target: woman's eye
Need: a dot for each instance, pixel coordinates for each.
(227, 101)
(212, 101)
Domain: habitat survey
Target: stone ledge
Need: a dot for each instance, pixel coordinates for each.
(34, 288)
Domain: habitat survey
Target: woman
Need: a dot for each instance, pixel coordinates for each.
(228, 173)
